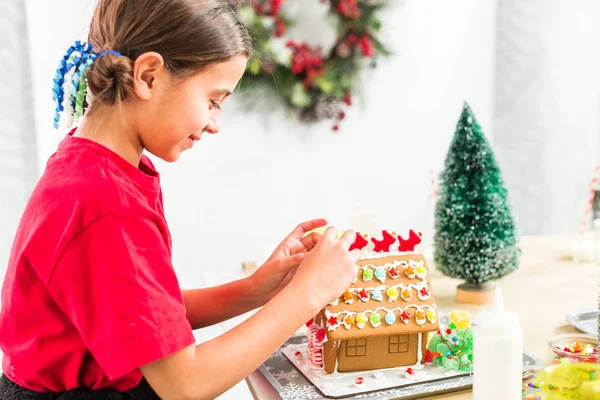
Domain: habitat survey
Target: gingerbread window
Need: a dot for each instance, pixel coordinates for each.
(356, 347)
(398, 344)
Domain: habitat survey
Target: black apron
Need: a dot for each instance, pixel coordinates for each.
(12, 391)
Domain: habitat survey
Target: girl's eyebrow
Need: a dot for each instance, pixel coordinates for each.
(221, 93)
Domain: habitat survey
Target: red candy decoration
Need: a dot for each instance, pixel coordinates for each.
(363, 294)
(320, 336)
(428, 357)
(384, 244)
(333, 321)
(359, 380)
(310, 322)
(448, 331)
(404, 315)
(410, 243)
(359, 243)
(424, 292)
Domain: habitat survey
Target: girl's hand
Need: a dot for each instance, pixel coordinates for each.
(328, 270)
(281, 266)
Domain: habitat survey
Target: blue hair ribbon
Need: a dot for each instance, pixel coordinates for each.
(74, 64)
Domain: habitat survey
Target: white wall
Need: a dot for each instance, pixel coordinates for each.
(240, 192)
(18, 170)
(547, 125)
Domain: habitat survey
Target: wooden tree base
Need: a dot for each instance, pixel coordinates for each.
(475, 294)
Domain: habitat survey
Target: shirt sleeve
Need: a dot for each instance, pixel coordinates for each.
(116, 284)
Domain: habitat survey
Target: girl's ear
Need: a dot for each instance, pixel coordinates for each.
(148, 69)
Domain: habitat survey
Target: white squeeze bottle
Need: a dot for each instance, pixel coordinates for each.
(497, 354)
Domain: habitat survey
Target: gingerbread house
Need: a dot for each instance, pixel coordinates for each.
(383, 319)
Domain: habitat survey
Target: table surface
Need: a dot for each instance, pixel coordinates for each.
(547, 286)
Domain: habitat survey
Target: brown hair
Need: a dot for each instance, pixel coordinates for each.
(190, 35)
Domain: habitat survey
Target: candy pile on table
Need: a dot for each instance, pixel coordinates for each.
(452, 348)
(579, 348)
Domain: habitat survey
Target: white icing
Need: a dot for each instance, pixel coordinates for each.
(363, 295)
(346, 324)
(420, 321)
(375, 323)
(420, 349)
(424, 296)
(401, 288)
(361, 321)
(422, 308)
(369, 254)
(385, 266)
(335, 302)
(421, 270)
(418, 270)
(432, 316)
(320, 377)
(411, 377)
(349, 301)
(326, 385)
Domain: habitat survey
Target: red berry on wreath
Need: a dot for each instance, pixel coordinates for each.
(366, 46)
(280, 28)
(348, 99)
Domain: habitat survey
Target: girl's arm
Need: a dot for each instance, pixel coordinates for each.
(209, 369)
(209, 306)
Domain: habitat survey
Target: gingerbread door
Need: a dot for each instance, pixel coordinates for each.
(376, 352)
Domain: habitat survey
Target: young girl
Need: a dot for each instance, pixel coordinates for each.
(91, 307)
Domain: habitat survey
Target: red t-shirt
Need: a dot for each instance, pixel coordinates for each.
(90, 294)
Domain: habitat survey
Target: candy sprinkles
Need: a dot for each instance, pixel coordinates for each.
(69, 89)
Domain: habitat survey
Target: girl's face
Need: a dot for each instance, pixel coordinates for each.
(179, 112)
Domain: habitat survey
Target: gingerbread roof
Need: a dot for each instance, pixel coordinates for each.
(391, 296)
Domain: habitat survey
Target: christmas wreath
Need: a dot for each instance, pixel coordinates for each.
(315, 86)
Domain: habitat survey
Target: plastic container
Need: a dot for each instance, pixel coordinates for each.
(566, 348)
(497, 354)
(569, 381)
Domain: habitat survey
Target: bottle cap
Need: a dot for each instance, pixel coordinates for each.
(498, 321)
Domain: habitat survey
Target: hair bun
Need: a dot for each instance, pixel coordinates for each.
(110, 78)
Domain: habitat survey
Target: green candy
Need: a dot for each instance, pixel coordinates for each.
(435, 340)
(441, 348)
(367, 274)
(449, 363)
(375, 319)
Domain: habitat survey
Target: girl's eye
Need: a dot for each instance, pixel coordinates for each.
(215, 105)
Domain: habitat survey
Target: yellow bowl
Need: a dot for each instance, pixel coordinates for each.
(570, 381)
